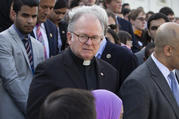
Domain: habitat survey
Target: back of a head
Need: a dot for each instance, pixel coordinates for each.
(19, 3)
(108, 104)
(167, 11)
(69, 104)
(156, 16)
(166, 35)
(124, 36)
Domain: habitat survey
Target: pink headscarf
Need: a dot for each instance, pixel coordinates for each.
(108, 104)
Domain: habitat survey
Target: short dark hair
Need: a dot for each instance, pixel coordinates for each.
(69, 104)
(166, 10)
(19, 3)
(155, 17)
(125, 4)
(61, 4)
(125, 11)
(124, 36)
(148, 13)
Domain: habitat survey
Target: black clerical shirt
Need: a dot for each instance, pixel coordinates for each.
(88, 72)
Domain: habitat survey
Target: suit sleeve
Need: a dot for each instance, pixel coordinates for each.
(129, 64)
(135, 100)
(12, 81)
(40, 88)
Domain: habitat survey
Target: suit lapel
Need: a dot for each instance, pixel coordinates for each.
(19, 43)
(49, 36)
(103, 81)
(107, 53)
(161, 82)
(72, 70)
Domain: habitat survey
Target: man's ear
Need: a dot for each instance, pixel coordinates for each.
(12, 15)
(69, 38)
(168, 50)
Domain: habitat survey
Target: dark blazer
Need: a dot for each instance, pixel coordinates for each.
(126, 26)
(52, 35)
(61, 72)
(121, 58)
(63, 33)
(146, 94)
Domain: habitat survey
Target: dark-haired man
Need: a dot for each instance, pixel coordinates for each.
(153, 23)
(57, 16)
(69, 103)
(168, 12)
(19, 56)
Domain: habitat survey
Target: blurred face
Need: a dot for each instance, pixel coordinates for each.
(171, 18)
(91, 2)
(45, 8)
(90, 29)
(57, 14)
(154, 24)
(177, 21)
(115, 6)
(139, 23)
(26, 19)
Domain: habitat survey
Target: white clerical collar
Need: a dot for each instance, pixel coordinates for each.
(86, 62)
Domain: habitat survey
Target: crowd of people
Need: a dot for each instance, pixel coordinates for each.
(93, 59)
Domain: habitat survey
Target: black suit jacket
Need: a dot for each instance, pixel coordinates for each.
(121, 58)
(61, 72)
(52, 35)
(63, 33)
(146, 94)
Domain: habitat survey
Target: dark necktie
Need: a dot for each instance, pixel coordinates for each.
(174, 86)
(29, 51)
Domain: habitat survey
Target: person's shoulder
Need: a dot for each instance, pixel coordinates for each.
(121, 20)
(49, 23)
(120, 51)
(141, 73)
(106, 65)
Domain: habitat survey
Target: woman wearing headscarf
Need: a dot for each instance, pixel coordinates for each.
(5, 9)
(108, 105)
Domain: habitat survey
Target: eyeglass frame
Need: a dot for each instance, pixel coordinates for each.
(86, 38)
(141, 19)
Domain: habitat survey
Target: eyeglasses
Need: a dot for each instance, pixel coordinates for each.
(112, 26)
(154, 27)
(84, 38)
(141, 19)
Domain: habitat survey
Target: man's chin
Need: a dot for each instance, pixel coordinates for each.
(87, 57)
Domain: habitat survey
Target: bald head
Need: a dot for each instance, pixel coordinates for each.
(166, 45)
(167, 34)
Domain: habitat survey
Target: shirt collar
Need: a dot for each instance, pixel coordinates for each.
(101, 48)
(164, 70)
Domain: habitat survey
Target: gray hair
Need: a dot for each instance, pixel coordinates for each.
(98, 11)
